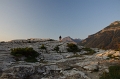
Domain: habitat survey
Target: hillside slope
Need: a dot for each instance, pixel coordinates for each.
(108, 38)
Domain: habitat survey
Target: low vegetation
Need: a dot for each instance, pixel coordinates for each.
(56, 48)
(114, 73)
(72, 48)
(43, 48)
(76, 55)
(111, 56)
(29, 53)
(89, 51)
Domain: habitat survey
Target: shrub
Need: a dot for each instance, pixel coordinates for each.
(76, 55)
(30, 59)
(72, 48)
(105, 75)
(114, 73)
(90, 51)
(27, 52)
(56, 48)
(43, 47)
(111, 56)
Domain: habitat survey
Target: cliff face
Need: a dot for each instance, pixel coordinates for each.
(108, 38)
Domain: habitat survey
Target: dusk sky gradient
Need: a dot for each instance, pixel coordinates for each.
(23, 19)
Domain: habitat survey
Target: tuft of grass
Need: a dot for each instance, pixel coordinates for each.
(43, 61)
(113, 57)
(69, 68)
(114, 73)
(89, 51)
(75, 55)
(30, 59)
(105, 75)
(56, 48)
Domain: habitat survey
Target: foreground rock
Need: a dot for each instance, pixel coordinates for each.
(53, 65)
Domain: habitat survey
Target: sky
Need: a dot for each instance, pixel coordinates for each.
(23, 19)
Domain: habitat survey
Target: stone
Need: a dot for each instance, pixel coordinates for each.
(91, 67)
(73, 72)
(8, 76)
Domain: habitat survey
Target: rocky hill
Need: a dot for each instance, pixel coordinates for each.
(108, 38)
(69, 39)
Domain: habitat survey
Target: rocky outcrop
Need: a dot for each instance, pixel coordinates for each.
(109, 54)
(55, 65)
(73, 72)
(18, 72)
(89, 66)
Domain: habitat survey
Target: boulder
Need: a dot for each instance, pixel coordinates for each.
(91, 67)
(73, 72)
(8, 76)
(18, 72)
(52, 57)
(117, 54)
